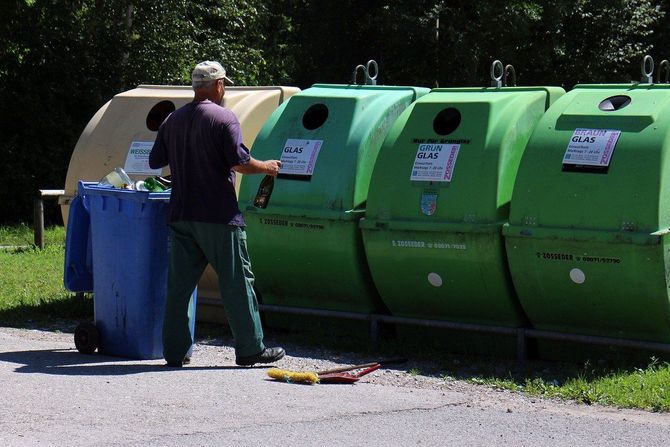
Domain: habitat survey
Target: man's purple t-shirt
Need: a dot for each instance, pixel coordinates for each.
(201, 142)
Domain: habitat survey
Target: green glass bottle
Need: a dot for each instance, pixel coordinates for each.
(153, 185)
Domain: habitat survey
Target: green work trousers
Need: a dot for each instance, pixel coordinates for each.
(192, 246)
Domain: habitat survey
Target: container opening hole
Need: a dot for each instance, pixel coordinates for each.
(158, 113)
(447, 121)
(614, 103)
(315, 116)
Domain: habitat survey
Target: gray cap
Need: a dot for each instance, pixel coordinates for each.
(209, 71)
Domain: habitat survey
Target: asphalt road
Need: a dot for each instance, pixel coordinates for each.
(53, 396)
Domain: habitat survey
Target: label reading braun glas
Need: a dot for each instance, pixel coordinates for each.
(434, 162)
(299, 156)
(591, 147)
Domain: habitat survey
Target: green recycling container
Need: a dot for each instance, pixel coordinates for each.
(586, 238)
(439, 195)
(306, 246)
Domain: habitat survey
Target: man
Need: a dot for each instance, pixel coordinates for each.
(202, 144)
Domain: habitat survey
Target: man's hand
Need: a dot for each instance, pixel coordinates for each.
(272, 167)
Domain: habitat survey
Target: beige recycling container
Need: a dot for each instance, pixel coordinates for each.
(122, 133)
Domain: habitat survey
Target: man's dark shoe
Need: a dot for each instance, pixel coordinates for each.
(268, 355)
(178, 364)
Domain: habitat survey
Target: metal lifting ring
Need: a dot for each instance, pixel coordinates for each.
(509, 72)
(355, 75)
(664, 64)
(370, 67)
(496, 81)
(369, 79)
(647, 75)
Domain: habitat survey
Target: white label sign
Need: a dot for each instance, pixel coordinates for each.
(137, 160)
(591, 147)
(299, 156)
(435, 162)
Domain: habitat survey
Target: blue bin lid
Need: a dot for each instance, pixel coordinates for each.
(92, 189)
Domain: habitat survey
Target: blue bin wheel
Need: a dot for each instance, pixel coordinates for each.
(86, 337)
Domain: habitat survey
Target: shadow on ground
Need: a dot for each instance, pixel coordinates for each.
(440, 354)
(69, 362)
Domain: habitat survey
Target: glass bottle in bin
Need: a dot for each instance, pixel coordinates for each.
(264, 192)
(157, 183)
(116, 179)
(165, 180)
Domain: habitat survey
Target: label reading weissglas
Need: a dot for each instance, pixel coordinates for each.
(137, 160)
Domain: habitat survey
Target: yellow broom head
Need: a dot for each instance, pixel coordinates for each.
(293, 376)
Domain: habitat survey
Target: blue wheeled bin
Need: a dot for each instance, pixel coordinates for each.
(128, 250)
(78, 271)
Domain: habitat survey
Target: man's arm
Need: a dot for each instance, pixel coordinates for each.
(269, 167)
(158, 156)
(237, 154)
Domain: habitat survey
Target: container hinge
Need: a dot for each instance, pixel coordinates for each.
(647, 69)
(662, 232)
(356, 211)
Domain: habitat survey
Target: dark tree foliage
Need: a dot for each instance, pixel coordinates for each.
(60, 60)
(53, 75)
(63, 59)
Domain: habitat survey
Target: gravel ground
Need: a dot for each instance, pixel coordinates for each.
(54, 396)
(409, 374)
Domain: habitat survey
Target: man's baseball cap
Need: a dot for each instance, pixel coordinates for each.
(209, 71)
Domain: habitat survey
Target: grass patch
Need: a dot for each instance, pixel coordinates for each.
(31, 280)
(625, 385)
(22, 235)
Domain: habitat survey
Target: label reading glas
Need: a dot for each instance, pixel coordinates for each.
(299, 156)
(590, 150)
(434, 162)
